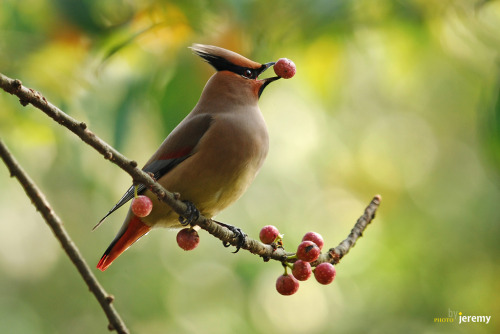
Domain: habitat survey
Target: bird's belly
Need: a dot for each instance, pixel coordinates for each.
(210, 189)
(218, 185)
(216, 195)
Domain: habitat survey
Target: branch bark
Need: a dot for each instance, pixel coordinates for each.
(43, 206)
(335, 254)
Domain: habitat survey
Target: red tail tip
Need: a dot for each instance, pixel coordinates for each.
(102, 263)
(133, 232)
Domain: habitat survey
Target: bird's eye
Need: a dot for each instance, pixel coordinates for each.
(248, 74)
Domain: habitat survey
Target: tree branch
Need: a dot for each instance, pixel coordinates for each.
(42, 205)
(335, 254)
(30, 96)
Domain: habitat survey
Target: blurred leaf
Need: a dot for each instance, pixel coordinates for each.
(95, 17)
(489, 128)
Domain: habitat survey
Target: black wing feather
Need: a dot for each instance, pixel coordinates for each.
(158, 169)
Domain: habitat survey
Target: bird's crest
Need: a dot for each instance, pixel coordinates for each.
(225, 60)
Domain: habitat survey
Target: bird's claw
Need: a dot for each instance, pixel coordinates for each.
(239, 234)
(191, 216)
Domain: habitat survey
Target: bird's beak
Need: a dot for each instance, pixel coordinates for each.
(266, 81)
(266, 66)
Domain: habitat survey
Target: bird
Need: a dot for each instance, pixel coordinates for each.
(212, 156)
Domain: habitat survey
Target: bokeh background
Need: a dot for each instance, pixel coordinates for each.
(392, 97)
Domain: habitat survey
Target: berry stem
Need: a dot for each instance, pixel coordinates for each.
(285, 265)
(135, 191)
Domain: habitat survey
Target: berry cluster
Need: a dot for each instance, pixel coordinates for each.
(308, 251)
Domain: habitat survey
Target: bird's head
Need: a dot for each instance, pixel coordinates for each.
(238, 69)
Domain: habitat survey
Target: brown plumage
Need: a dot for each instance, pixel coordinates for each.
(213, 155)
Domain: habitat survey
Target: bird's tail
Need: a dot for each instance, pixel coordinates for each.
(128, 234)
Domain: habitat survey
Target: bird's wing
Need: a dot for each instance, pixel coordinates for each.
(177, 147)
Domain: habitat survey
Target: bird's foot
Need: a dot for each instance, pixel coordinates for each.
(191, 216)
(239, 234)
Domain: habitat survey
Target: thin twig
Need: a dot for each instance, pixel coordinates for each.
(343, 248)
(42, 205)
(30, 96)
(335, 254)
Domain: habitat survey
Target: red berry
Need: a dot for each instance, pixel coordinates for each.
(301, 270)
(325, 273)
(142, 206)
(285, 68)
(314, 237)
(308, 251)
(287, 285)
(268, 234)
(188, 239)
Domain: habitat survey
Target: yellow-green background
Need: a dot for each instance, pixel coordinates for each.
(390, 97)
